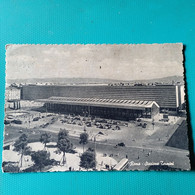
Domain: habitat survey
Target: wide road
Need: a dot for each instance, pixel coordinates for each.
(137, 152)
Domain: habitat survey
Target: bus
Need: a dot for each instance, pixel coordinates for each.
(121, 165)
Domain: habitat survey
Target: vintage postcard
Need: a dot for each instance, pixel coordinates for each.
(95, 107)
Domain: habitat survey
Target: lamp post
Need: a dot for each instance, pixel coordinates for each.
(153, 123)
(85, 129)
(46, 108)
(29, 121)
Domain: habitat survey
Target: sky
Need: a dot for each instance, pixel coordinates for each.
(105, 61)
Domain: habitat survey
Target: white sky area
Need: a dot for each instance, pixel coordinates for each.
(122, 62)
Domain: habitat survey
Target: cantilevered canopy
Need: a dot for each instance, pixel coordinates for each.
(111, 103)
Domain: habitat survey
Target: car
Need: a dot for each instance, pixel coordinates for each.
(10, 117)
(88, 124)
(108, 126)
(77, 118)
(138, 120)
(125, 124)
(80, 124)
(36, 118)
(144, 125)
(121, 144)
(6, 122)
(101, 126)
(164, 120)
(19, 122)
(114, 123)
(117, 127)
(101, 120)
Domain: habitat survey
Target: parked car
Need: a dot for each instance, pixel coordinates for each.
(88, 124)
(164, 120)
(6, 122)
(76, 118)
(101, 126)
(117, 127)
(80, 123)
(126, 124)
(19, 122)
(36, 118)
(121, 144)
(138, 120)
(101, 120)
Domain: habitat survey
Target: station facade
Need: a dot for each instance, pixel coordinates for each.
(106, 108)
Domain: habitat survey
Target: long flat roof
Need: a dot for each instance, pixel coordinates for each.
(112, 103)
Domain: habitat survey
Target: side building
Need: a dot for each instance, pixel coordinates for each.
(12, 97)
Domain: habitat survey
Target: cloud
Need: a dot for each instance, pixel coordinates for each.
(124, 62)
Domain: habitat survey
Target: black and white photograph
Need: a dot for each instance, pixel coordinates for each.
(95, 107)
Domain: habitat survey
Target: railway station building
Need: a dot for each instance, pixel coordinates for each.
(106, 108)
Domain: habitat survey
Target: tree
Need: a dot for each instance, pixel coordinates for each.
(45, 138)
(64, 144)
(21, 146)
(88, 159)
(83, 139)
(11, 168)
(62, 134)
(40, 158)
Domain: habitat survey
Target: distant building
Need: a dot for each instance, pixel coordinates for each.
(12, 93)
(169, 97)
(12, 97)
